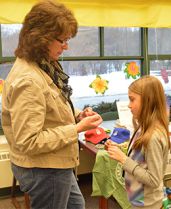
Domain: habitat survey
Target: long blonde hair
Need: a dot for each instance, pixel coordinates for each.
(153, 113)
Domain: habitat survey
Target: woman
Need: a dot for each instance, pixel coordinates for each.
(146, 161)
(38, 118)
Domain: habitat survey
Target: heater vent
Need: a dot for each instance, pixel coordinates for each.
(4, 156)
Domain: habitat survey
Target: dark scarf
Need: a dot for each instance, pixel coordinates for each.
(60, 79)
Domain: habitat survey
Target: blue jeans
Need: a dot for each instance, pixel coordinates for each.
(50, 188)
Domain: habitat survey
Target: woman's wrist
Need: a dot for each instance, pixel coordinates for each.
(78, 128)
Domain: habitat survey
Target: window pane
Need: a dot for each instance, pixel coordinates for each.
(122, 41)
(159, 41)
(9, 36)
(4, 70)
(85, 43)
(162, 70)
(82, 73)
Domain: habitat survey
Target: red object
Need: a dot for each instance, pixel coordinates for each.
(96, 135)
(164, 75)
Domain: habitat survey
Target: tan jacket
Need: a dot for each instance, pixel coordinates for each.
(37, 121)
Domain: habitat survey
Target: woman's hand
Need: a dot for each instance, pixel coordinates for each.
(85, 113)
(89, 122)
(115, 152)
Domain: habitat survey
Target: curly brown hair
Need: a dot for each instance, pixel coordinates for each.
(46, 21)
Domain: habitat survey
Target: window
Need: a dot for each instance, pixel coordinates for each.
(105, 52)
(82, 73)
(162, 70)
(159, 51)
(9, 38)
(159, 41)
(86, 43)
(122, 41)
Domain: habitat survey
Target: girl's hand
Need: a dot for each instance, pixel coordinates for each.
(116, 153)
(108, 143)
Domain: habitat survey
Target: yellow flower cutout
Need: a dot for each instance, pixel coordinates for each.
(99, 85)
(132, 70)
(1, 85)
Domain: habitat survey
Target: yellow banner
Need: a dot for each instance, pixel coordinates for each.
(114, 13)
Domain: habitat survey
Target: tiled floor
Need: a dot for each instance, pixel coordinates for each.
(86, 188)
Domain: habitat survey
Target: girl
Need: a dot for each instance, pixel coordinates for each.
(145, 163)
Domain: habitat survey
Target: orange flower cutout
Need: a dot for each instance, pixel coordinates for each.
(1, 85)
(99, 85)
(132, 70)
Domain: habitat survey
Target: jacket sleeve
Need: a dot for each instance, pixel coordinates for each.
(154, 155)
(27, 108)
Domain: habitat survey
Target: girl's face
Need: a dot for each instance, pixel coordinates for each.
(134, 104)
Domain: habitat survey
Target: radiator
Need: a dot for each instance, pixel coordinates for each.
(6, 175)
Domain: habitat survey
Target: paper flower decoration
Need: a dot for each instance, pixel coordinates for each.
(99, 85)
(164, 75)
(132, 70)
(1, 85)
